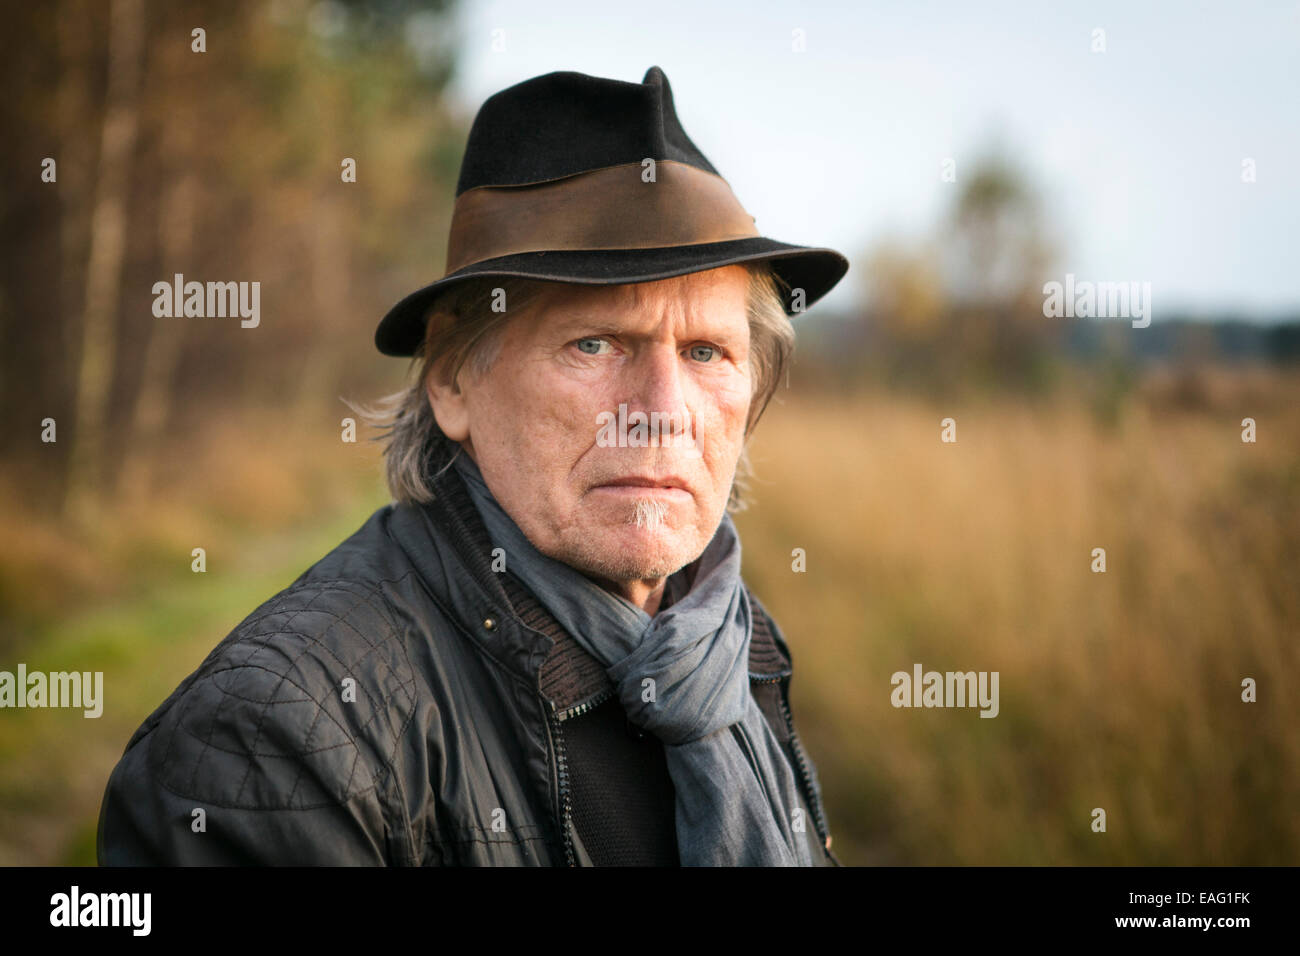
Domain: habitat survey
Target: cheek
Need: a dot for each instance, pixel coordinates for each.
(567, 411)
(722, 412)
(532, 420)
(736, 405)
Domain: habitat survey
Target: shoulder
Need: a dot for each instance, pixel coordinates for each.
(304, 701)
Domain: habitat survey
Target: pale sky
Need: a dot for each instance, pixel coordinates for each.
(1137, 151)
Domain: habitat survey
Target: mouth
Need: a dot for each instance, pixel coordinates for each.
(669, 488)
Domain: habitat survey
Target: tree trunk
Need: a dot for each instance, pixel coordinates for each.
(75, 160)
(331, 266)
(177, 216)
(107, 251)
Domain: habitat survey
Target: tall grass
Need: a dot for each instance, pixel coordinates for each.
(1118, 690)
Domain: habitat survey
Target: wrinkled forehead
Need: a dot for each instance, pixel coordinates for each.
(713, 299)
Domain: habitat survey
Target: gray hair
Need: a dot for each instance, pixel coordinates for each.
(405, 420)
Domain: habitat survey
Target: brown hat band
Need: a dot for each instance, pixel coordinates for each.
(609, 208)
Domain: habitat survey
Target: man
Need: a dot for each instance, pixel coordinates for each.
(542, 652)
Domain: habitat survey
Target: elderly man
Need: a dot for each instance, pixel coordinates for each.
(543, 651)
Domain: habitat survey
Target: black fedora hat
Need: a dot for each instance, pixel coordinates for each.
(574, 178)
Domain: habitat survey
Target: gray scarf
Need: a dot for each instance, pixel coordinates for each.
(735, 788)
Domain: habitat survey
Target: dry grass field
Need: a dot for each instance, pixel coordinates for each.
(1119, 690)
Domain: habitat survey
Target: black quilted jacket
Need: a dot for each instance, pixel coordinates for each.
(401, 704)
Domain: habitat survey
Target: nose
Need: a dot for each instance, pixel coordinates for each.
(658, 385)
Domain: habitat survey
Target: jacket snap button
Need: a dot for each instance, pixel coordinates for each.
(490, 623)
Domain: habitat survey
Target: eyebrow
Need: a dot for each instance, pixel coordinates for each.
(587, 322)
(595, 324)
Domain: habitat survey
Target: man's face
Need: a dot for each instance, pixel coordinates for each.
(600, 500)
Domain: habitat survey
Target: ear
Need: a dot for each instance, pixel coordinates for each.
(450, 409)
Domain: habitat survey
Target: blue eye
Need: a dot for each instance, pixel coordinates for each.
(707, 350)
(590, 346)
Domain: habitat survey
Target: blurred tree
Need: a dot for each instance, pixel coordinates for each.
(108, 239)
(994, 245)
(909, 297)
(996, 258)
(221, 165)
(966, 302)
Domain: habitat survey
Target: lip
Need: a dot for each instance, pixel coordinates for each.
(668, 486)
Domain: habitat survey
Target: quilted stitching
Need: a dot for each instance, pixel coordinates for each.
(263, 724)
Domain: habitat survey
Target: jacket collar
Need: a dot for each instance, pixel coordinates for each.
(449, 544)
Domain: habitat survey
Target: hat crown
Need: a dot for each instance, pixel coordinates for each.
(564, 123)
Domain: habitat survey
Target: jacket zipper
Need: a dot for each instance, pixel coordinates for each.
(801, 761)
(562, 769)
(562, 791)
(562, 797)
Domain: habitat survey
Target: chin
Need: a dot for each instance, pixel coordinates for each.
(622, 551)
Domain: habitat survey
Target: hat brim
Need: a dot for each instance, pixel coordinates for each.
(814, 270)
